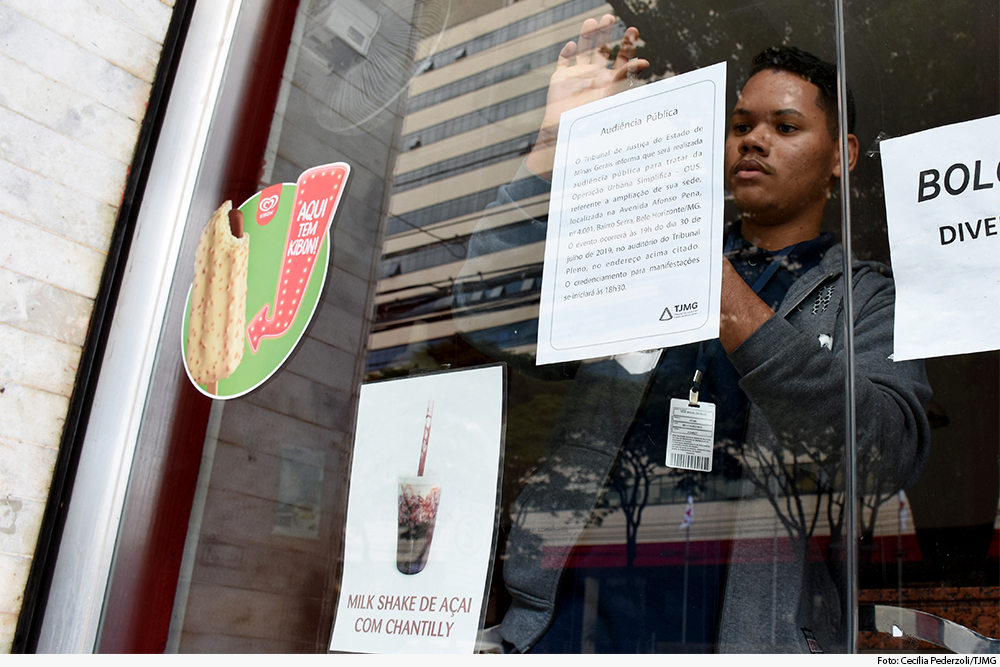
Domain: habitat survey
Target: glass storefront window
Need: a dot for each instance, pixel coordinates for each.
(932, 548)
(447, 113)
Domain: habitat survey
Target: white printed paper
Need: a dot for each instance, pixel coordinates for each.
(634, 241)
(942, 200)
(406, 590)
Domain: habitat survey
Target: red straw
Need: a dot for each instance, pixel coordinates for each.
(427, 437)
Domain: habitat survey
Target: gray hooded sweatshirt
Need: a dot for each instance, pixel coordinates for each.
(793, 370)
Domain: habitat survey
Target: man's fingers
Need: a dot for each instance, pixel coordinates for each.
(628, 48)
(585, 50)
(632, 67)
(605, 33)
(566, 55)
(594, 46)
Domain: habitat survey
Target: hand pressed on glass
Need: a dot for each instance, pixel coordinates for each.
(582, 75)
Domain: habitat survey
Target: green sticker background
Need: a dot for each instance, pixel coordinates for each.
(267, 249)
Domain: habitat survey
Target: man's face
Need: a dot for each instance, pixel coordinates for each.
(780, 157)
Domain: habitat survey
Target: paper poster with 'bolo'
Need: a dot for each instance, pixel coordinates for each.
(259, 271)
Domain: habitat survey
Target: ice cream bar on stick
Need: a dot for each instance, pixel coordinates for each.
(216, 323)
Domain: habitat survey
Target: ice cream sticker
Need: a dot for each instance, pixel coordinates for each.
(421, 514)
(258, 275)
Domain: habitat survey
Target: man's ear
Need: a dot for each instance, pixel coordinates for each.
(852, 156)
(852, 152)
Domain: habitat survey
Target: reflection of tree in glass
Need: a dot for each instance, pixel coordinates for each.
(681, 36)
(640, 472)
(631, 479)
(805, 487)
(786, 478)
(560, 496)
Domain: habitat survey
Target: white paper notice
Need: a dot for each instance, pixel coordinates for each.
(421, 514)
(942, 200)
(634, 242)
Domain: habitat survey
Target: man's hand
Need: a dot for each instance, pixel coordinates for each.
(585, 79)
(742, 311)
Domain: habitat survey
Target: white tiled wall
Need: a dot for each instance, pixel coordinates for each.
(76, 79)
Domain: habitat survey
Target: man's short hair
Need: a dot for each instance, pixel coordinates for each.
(818, 72)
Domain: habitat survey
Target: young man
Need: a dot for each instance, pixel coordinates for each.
(777, 376)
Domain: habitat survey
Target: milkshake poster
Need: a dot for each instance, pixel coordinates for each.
(421, 513)
(259, 271)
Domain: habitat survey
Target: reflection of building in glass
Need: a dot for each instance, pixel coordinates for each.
(471, 117)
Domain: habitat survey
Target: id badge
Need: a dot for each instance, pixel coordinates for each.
(690, 435)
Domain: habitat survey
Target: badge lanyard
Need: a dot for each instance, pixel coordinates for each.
(691, 425)
(707, 353)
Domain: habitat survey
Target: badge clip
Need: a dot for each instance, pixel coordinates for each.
(695, 389)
